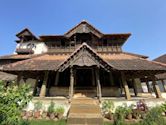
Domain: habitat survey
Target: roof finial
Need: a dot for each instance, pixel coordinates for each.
(84, 20)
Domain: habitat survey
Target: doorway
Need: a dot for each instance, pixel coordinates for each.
(84, 83)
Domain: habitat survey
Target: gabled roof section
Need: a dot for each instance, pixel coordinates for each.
(84, 27)
(84, 56)
(26, 32)
(161, 59)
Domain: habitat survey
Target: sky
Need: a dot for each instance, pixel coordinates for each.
(144, 19)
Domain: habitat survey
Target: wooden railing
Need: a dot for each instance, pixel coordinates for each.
(97, 49)
(24, 51)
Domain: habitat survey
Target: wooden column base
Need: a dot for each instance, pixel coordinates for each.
(43, 91)
(157, 91)
(156, 88)
(126, 88)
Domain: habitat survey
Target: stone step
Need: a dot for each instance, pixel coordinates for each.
(85, 121)
(84, 111)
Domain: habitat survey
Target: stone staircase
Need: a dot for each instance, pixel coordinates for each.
(84, 111)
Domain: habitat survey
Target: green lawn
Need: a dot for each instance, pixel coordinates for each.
(47, 122)
(61, 122)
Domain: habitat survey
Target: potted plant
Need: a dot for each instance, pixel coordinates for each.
(51, 110)
(128, 112)
(107, 108)
(29, 114)
(119, 116)
(60, 111)
(44, 113)
(37, 109)
(136, 113)
(163, 107)
(23, 113)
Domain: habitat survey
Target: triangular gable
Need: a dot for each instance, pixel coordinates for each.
(84, 56)
(84, 27)
(26, 32)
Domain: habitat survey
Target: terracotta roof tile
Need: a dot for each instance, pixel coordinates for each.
(44, 62)
(7, 77)
(18, 56)
(161, 59)
(123, 61)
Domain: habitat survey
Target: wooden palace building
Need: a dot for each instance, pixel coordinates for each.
(83, 61)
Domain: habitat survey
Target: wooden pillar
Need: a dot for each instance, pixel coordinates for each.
(18, 79)
(135, 87)
(98, 84)
(43, 88)
(164, 85)
(93, 77)
(126, 88)
(35, 86)
(74, 74)
(56, 78)
(156, 87)
(111, 79)
(148, 86)
(71, 83)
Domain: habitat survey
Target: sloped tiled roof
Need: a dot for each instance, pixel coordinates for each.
(161, 59)
(7, 77)
(117, 61)
(122, 61)
(43, 62)
(19, 56)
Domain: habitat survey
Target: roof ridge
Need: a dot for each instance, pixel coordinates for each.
(84, 21)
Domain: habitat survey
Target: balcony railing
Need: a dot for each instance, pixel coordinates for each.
(71, 49)
(24, 51)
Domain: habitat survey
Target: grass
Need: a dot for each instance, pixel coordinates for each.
(60, 122)
(47, 122)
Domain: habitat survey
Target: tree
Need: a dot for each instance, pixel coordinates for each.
(12, 101)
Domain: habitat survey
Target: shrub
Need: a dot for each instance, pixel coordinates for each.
(154, 117)
(38, 106)
(12, 101)
(107, 106)
(128, 111)
(51, 107)
(163, 107)
(119, 115)
(60, 110)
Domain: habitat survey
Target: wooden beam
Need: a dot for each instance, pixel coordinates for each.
(126, 88)
(156, 87)
(43, 88)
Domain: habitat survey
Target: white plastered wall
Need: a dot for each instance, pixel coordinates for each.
(39, 47)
